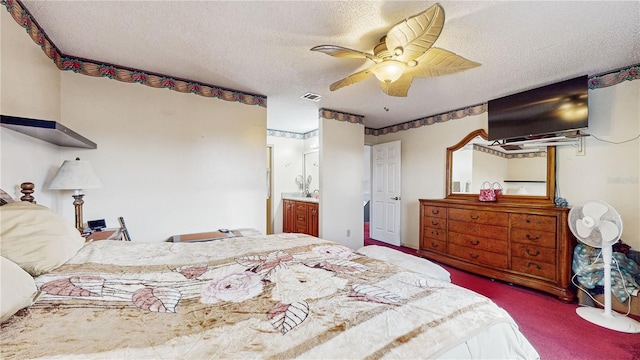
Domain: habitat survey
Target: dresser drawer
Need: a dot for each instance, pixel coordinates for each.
(438, 234)
(478, 256)
(436, 223)
(533, 252)
(435, 211)
(533, 267)
(477, 242)
(533, 236)
(479, 216)
(487, 231)
(433, 244)
(538, 222)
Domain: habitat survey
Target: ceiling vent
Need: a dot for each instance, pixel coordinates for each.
(311, 97)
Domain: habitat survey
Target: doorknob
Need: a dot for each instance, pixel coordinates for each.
(395, 198)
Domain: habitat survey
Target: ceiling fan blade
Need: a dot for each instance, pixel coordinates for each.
(609, 231)
(343, 52)
(399, 87)
(437, 62)
(416, 34)
(351, 79)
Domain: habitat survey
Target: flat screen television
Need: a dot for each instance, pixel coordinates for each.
(551, 109)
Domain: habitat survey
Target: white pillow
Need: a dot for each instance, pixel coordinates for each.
(18, 288)
(36, 238)
(406, 261)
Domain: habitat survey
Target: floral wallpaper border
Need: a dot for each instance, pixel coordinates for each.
(341, 116)
(93, 68)
(292, 135)
(532, 154)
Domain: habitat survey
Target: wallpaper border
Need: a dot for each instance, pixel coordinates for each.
(95, 68)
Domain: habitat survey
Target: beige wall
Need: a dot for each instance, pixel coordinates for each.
(609, 172)
(341, 173)
(171, 163)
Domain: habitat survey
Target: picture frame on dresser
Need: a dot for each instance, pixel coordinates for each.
(521, 239)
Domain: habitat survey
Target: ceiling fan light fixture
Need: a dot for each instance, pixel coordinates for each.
(389, 70)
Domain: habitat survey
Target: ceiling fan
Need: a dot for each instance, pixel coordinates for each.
(404, 53)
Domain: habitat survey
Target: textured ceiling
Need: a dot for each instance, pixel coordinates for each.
(262, 47)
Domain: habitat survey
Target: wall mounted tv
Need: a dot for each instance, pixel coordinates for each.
(532, 114)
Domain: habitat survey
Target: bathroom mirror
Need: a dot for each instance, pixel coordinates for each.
(311, 163)
(527, 175)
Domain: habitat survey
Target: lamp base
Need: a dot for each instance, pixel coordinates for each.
(77, 203)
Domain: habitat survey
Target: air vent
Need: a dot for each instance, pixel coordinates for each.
(311, 97)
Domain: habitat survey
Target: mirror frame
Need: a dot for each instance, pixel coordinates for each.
(548, 199)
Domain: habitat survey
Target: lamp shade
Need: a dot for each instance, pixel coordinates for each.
(75, 175)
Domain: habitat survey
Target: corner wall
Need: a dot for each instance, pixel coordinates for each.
(341, 173)
(30, 87)
(171, 163)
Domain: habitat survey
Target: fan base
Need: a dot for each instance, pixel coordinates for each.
(615, 321)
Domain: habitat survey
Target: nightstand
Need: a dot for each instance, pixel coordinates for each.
(106, 234)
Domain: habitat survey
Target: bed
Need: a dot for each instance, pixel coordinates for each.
(270, 297)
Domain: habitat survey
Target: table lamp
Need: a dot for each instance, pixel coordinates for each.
(76, 175)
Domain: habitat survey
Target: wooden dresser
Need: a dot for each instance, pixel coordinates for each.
(300, 217)
(525, 245)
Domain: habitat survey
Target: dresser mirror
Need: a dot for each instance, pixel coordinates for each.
(526, 174)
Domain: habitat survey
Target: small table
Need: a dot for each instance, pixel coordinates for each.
(213, 235)
(105, 234)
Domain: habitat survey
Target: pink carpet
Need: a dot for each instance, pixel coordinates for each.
(552, 327)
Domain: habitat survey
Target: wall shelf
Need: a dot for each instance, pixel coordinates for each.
(49, 131)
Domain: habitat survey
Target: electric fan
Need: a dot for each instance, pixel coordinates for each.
(597, 224)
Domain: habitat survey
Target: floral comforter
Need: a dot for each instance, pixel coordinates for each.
(278, 296)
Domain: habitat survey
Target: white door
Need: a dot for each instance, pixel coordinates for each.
(385, 194)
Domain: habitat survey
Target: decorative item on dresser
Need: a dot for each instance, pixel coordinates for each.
(300, 216)
(524, 240)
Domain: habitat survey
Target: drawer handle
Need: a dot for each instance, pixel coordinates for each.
(533, 238)
(474, 217)
(528, 221)
(435, 244)
(471, 228)
(434, 223)
(531, 264)
(475, 256)
(435, 232)
(435, 211)
(474, 242)
(530, 254)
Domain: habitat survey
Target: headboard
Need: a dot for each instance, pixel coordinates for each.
(26, 188)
